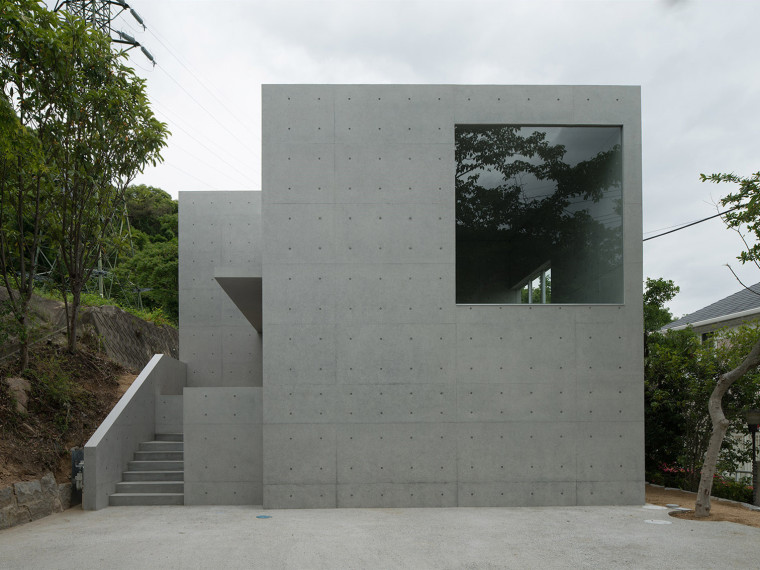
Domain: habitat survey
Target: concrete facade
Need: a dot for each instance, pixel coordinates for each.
(220, 235)
(366, 385)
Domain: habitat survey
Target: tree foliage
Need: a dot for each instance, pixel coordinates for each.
(26, 56)
(744, 217)
(153, 265)
(656, 294)
(152, 211)
(89, 114)
(681, 374)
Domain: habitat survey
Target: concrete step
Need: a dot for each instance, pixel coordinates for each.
(150, 487)
(161, 446)
(153, 476)
(169, 437)
(141, 499)
(155, 466)
(159, 455)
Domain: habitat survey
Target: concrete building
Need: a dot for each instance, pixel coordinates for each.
(435, 300)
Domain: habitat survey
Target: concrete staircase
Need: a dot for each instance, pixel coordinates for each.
(156, 476)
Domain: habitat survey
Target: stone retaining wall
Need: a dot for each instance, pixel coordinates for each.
(31, 500)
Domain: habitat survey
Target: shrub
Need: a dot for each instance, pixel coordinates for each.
(725, 488)
(734, 490)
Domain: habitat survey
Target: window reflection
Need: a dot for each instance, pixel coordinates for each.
(538, 214)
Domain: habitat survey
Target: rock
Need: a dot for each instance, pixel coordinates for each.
(128, 340)
(5, 520)
(40, 508)
(64, 495)
(7, 498)
(27, 492)
(19, 389)
(31, 500)
(48, 484)
(13, 516)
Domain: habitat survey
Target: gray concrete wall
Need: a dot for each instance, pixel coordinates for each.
(218, 231)
(223, 446)
(220, 234)
(378, 389)
(132, 420)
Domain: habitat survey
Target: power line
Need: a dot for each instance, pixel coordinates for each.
(210, 114)
(694, 223)
(198, 79)
(202, 161)
(175, 123)
(186, 173)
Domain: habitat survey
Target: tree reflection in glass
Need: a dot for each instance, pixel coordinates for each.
(538, 214)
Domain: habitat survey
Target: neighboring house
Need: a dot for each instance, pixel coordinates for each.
(730, 312)
(434, 301)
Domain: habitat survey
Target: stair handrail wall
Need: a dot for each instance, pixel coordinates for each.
(131, 421)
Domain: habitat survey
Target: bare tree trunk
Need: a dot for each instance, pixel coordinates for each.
(24, 362)
(73, 314)
(720, 425)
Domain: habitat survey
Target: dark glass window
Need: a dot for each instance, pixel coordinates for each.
(538, 214)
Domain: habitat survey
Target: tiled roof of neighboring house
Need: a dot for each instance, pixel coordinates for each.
(746, 300)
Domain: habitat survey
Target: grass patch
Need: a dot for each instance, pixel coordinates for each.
(156, 316)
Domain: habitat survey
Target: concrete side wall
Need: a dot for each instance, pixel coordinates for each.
(220, 234)
(169, 414)
(132, 420)
(223, 446)
(379, 390)
(218, 231)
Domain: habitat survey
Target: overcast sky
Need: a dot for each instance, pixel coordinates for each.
(698, 65)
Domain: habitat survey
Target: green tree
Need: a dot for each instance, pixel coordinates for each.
(680, 375)
(656, 294)
(745, 219)
(153, 264)
(27, 58)
(105, 133)
(154, 267)
(68, 96)
(151, 210)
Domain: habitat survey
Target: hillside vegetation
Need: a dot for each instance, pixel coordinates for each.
(69, 396)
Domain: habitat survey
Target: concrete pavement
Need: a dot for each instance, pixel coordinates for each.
(234, 537)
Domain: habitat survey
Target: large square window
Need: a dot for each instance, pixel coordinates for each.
(539, 214)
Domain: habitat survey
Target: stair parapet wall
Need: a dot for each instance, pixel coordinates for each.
(133, 420)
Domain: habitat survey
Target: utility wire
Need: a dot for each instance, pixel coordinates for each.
(202, 161)
(694, 223)
(163, 112)
(186, 173)
(198, 79)
(175, 122)
(210, 114)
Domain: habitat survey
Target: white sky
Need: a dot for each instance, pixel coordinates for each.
(697, 64)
